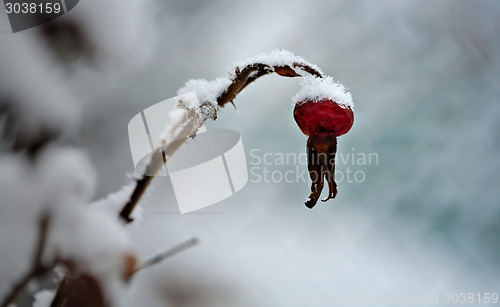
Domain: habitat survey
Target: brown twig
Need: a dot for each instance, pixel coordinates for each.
(242, 78)
(158, 159)
(38, 269)
(254, 71)
(309, 69)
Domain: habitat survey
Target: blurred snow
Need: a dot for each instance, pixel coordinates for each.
(425, 220)
(26, 64)
(43, 298)
(59, 184)
(38, 101)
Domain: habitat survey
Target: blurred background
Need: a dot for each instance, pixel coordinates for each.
(423, 221)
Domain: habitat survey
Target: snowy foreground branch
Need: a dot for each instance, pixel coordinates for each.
(211, 96)
(51, 233)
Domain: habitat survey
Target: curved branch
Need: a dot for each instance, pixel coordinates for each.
(242, 78)
(308, 69)
(252, 72)
(158, 159)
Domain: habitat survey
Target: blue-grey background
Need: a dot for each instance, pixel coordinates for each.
(425, 80)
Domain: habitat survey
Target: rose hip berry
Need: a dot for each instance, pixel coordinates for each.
(323, 121)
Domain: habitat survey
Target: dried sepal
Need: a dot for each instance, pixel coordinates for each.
(321, 151)
(129, 266)
(79, 291)
(286, 71)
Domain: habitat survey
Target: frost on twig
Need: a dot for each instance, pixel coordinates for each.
(224, 90)
(211, 96)
(174, 136)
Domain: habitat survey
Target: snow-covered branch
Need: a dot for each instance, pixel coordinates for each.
(211, 96)
(185, 126)
(46, 185)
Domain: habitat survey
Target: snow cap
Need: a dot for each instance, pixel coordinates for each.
(316, 89)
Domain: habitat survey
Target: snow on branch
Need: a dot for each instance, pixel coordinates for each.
(279, 58)
(186, 125)
(211, 96)
(223, 90)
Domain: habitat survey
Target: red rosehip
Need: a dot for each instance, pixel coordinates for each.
(323, 121)
(324, 116)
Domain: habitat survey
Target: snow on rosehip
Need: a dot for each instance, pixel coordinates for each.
(323, 111)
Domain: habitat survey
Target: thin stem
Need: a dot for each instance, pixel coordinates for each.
(158, 159)
(167, 254)
(308, 69)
